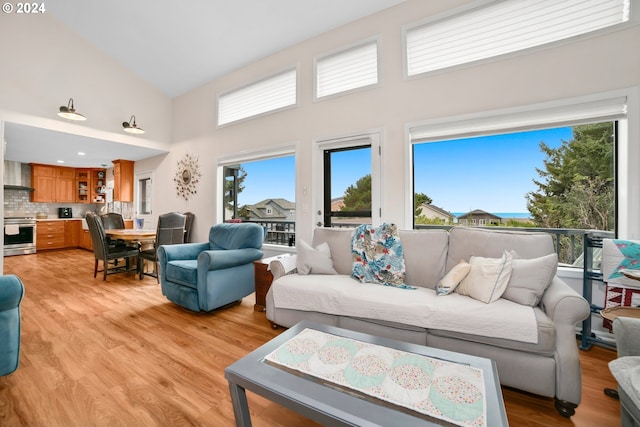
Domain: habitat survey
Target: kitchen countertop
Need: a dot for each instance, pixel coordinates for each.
(59, 219)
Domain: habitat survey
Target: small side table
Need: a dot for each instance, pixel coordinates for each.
(263, 279)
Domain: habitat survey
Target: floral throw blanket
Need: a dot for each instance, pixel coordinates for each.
(377, 256)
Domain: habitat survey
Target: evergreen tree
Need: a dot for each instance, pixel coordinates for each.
(228, 189)
(418, 200)
(358, 197)
(576, 189)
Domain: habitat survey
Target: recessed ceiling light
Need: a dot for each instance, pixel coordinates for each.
(80, 153)
(60, 161)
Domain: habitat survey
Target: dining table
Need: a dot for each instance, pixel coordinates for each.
(132, 234)
(144, 238)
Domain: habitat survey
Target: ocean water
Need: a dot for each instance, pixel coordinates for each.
(502, 214)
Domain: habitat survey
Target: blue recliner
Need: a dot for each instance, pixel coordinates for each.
(11, 292)
(206, 276)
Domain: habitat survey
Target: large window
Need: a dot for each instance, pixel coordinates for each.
(516, 169)
(262, 190)
(268, 95)
(551, 178)
(490, 29)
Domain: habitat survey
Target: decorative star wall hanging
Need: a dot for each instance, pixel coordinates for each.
(187, 177)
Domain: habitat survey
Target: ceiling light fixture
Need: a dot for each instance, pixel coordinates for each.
(68, 112)
(131, 126)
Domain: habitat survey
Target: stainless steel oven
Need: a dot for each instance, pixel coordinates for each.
(19, 236)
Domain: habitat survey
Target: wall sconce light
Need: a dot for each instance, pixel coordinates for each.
(131, 126)
(68, 112)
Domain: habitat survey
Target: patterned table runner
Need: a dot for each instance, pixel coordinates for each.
(444, 390)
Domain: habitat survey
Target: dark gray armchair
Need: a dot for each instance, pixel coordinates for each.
(170, 231)
(626, 369)
(107, 253)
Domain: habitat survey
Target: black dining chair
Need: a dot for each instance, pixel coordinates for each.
(170, 231)
(106, 253)
(112, 221)
(188, 226)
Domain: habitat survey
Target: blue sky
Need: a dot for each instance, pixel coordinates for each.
(492, 173)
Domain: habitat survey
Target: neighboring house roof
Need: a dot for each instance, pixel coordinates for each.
(436, 210)
(282, 203)
(337, 204)
(479, 213)
(281, 206)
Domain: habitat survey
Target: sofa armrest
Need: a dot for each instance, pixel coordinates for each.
(563, 304)
(183, 251)
(627, 332)
(11, 292)
(221, 259)
(283, 265)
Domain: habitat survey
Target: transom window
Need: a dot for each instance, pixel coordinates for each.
(268, 95)
(490, 29)
(347, 70)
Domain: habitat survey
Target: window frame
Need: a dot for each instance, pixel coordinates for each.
(622, 105)
(141, 176)
(371, 138)
(266, 153)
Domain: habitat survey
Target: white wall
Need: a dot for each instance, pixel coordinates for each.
(44, 64)
(589, 65)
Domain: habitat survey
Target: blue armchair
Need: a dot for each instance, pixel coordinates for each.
(11, 292)
(209, 275)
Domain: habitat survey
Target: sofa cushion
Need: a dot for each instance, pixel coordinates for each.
(378, 255)
(314, 260)
(184, 272)
(453, 278)
(342, 295)
(530, 278)
(465, 242)
(339, 241)
(545, 345)
(425, 256)
(487, 279)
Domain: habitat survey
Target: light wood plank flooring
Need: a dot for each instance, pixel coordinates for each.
(117, 353)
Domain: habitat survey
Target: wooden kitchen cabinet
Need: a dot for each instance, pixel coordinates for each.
(43, 181)
(72, 231)
(83, 185)
(85, 240)
(50, 235)
(98, 185)
(123, 180)
(65, 185)
(52, 184)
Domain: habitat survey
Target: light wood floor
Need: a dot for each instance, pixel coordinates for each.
(117, 353)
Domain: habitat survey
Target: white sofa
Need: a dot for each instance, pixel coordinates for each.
(534, 347)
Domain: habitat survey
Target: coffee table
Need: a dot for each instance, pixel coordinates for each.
(331, 406)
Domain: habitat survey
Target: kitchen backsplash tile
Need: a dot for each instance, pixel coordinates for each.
(17, 203)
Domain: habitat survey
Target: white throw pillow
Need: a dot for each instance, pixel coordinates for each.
(487, 279)
(453, 278)
(314, 260)
(530, 278)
